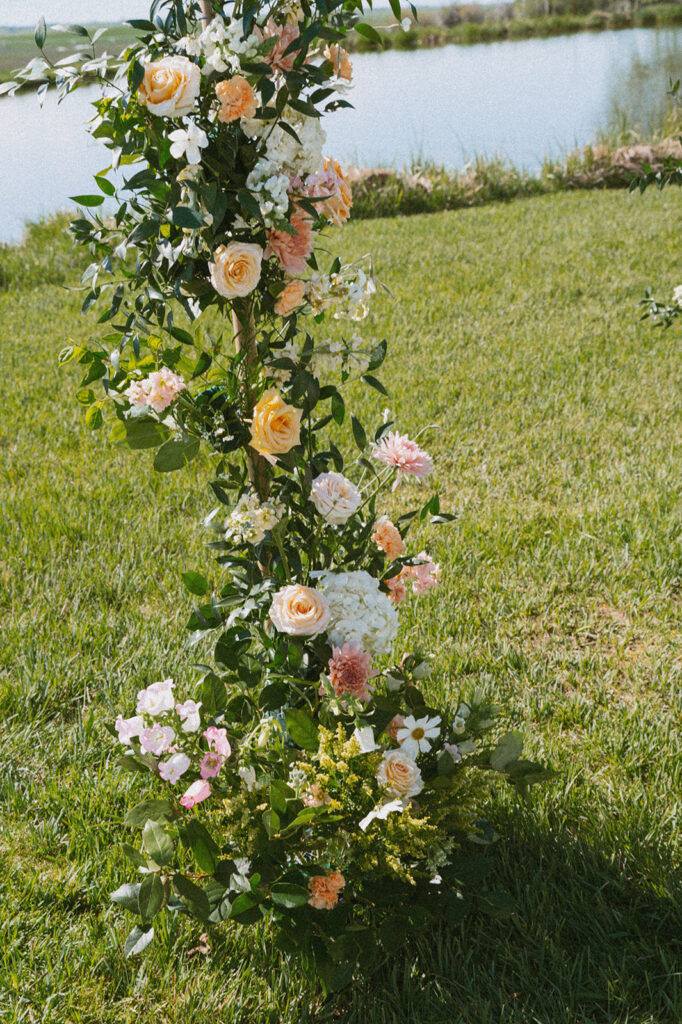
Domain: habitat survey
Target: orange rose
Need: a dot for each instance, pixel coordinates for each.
(276, 426)
(235, 271)
(170, 86)
(237, 99)
(340, 60)
(290, 298)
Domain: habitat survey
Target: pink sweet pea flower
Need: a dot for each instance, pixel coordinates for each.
(211, 764)
(218, 741)
(128, 727)
(174, 767)
(189, 713)
(156, 740)
(198, 791)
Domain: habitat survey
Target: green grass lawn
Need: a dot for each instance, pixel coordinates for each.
(514, 330)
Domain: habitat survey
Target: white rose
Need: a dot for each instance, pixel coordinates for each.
(170, 86)
(399, 774)
(335, 497)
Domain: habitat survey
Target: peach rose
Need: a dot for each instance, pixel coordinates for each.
(235, 271)
(325, 890)
(399, 774)
(170, 86)
(237, 99)
(387, 537)
(291, 298)
(275, 427)
(340, 60)
(397, 722)
(299, 611)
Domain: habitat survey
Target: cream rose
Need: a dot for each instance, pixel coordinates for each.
(299, 611)
(290, 298)
(399, 774)
(335, 497)
(170, 86)
(235, 271)
(237, 99)
(275, 427)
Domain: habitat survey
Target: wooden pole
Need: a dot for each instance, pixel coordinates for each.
(245, 341)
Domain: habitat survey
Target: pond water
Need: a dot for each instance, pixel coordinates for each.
(522, 100)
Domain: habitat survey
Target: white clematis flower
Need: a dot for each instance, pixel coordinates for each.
(188, 142)
(382, 811)
(416, 734)
(365, 738)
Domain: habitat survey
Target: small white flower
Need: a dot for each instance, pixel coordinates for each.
(415, 734)
(365, 739)
(392, 683)
(677, 296)
(174, 767)
(458, 724)
(382, 811)
(248, 777)
(128, 727)
(406, 24)
(188, 142)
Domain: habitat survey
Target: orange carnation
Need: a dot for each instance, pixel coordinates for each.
(237, 99)
(325, 890)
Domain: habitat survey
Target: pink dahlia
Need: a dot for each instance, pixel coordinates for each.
(292, 251)
(349, 670)
(398, 451)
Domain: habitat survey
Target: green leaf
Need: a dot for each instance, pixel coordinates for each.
(176, 454)
(363, 29)
(198, 839)
(359, 434)
(87, 200)
(279, 794)
(144, 433)
(271, 822)
(93, 417)
(507, 751)
(157, 842)
(374, 383)
(195, 583)
(105, 185)
(150, 897)
(149, 810)
(302, 729)
(395, 7)
(126, 896)
(137, 941)
(245, 908)
(184, 217)
(193, 896)
(77, 30)
(497, 904)
(287, 894)
(338, 408)
(40, 34)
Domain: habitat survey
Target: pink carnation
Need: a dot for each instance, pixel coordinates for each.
(398, 451)
(292, 251)
(424, 576)
(285, 36)
(349, 670)
(218, 741)
(198, 791)
(397, 588)
(157, 390)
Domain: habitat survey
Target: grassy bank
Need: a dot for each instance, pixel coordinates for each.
(506, 23)
(514, 328)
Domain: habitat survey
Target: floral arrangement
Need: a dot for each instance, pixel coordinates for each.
(304, 779)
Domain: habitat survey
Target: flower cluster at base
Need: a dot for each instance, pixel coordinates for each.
(306, 779)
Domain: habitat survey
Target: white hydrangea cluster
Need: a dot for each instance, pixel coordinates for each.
(282, 150)
(222, 45)
(361, 615)
(250, 519)
(271, 190)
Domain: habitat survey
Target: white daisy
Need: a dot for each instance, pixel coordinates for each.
(415, 734)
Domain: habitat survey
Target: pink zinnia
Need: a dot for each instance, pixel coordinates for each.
(198, 791)
(349, 670)
(292, 251)
(398, 451)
